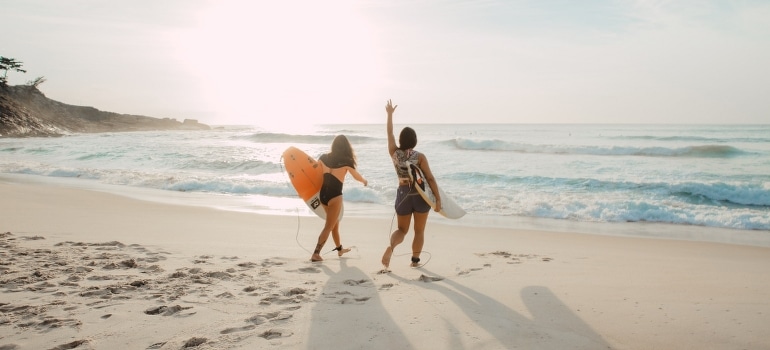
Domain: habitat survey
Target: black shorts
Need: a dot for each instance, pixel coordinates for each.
(408, 201)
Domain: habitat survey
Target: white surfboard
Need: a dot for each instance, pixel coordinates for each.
(449, 208)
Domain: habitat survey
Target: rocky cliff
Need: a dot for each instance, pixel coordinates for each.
(25, 111)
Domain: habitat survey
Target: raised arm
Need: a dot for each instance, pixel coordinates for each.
(390, 108)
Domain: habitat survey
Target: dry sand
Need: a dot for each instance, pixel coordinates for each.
(82, 269)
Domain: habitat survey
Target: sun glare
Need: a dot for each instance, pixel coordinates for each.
(276, 63)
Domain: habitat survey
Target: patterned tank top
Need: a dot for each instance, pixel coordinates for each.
(400, 157)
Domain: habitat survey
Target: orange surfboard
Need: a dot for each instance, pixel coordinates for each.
(306, 175)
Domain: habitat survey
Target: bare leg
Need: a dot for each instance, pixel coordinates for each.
(332, 213)
(420, 220)
(337, 241)
(396, 238)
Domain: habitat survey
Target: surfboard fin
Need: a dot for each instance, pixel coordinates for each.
(417, 176)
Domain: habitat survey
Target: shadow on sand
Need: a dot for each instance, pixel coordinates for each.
(348, 298)
(552, 325)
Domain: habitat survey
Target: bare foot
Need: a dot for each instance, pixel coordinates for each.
(415, 262)
(386, 256)
(316, 258)
(342, 251)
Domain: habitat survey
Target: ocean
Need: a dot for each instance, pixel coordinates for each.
(695, 179)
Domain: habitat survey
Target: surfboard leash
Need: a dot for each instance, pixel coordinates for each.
(296, 235)
(405, 254)
(296, 238)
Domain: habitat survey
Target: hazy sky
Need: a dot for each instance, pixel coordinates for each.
(287, 62)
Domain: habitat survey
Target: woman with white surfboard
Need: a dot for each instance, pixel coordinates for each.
(336, 165)
(409, 203)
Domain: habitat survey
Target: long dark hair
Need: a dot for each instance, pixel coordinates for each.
(407, 139)
(342, 152)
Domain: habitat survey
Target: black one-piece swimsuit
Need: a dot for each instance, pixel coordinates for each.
(331, 187)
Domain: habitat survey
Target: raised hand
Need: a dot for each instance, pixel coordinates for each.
(390, 108)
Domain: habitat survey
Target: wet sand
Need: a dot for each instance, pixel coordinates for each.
(81, 269)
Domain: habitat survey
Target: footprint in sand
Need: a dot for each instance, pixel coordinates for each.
(153, 257)
(271, 263)
(275, 333)
(274, 316)
(465, 272)
(347, 297)
(355, 282)
(49, 323)
(425, 278)
(227, 295)
(115, 271)
(277, 299)
(309, 270)
(238, 329)
(156, 345)
(34, 316)
(356, 301)
(33, 238)
(295, 291)
(194, 341)
(164, 310)
(514, 258)
(71, 345)
(291, 296)
(247, 265)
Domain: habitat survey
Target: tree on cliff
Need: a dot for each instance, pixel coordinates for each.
(6, 64)
(36, 82)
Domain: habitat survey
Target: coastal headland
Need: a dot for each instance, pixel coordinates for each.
(26, 112)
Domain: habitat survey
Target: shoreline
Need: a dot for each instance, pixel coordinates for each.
(88, 269)
(293, 207)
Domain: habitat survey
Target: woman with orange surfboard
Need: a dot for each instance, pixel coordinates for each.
(336, 165)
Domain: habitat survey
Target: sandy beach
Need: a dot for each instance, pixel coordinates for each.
(82, 269)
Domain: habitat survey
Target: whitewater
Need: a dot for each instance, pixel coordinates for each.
(708, 176)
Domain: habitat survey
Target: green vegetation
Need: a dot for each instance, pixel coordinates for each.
(10, 64)
(37, 81)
